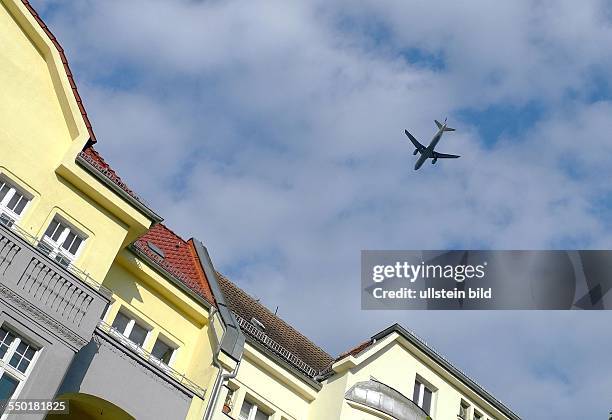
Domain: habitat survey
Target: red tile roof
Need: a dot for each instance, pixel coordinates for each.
(94, 158)
(59, 48)
(355, 350)
(180, 258)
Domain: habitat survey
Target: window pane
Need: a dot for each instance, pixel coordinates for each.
(162, 351)
(75, 245)
(52, 226)
(245, 410)
(68, 240)
(138, 334)
(417, 390)
(58, 232)
(261, 416)
(8, 385)
(22, 357)
(14, 200)
(6, 338)
(4, 188)
(120, 322)
(21, 205)
(426, 400)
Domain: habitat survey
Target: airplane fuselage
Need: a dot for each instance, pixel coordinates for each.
(428, 151)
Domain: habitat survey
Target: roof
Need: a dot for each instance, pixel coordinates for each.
(69, 75)
(91, 156)
(180, 258)
(276, 329)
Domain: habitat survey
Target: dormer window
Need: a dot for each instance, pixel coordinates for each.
(156, 250)
(62, 242)
(258, 324)
(13, 202)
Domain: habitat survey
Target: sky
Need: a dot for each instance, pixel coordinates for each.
(273, 132)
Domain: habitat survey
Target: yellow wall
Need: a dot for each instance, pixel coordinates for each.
(152, 298)
(38, 134)
(168, 311)
(270, 386)
(393, 363)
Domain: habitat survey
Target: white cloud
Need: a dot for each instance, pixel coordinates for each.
(274, 132)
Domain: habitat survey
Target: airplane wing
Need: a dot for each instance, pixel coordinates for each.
(437, 155)
(414, 141)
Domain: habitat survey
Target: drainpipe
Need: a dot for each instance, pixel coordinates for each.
(232, 340)
(221, 377)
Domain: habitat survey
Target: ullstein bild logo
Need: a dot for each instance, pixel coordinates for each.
(476, 279)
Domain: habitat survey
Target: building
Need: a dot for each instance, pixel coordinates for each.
(103, 306)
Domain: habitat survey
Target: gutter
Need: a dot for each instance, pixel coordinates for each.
(154, 217)
(232, 341)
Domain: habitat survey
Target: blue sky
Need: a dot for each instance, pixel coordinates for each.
(273, 131)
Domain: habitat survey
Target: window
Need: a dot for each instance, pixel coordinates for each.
(12, 202)
(62, 242)
(250, 411)
(163, 351)
(422, 396)
(16, 356)
(130, 328)
(464, 410)
(477, 415)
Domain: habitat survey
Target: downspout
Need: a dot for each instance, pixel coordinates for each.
(232, 340)
(221, 377)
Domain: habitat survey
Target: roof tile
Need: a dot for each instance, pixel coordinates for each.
(180, 258)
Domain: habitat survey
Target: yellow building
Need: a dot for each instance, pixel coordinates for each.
(104, 307)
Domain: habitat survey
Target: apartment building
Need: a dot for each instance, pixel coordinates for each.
(105, 307)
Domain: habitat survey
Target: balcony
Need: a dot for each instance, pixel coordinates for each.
(116, 370)
(51, 292)
(161, 368)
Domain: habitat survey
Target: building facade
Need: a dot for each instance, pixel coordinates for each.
(105, 307)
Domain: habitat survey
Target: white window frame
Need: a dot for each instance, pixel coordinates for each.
(422, 385)
(254, 410)
(130, 325)
(170, 344)
(13, 189)
(464, 405)
(56, 246)
(7, 369)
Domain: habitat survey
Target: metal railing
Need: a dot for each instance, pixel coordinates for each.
(44, 249)
(144, 354)
(281, 351)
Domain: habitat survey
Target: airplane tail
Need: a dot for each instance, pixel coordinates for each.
(440, 125)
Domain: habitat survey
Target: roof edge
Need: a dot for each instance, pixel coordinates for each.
(148, 212)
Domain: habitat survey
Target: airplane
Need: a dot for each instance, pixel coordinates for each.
(429, 152)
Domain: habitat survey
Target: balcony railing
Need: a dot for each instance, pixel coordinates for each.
(281, 351)
(44, 249)
(142, 353)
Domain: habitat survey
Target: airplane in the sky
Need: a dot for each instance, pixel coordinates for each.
(429, 152)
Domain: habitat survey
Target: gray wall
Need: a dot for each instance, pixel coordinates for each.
(47, 305)
(109, 370)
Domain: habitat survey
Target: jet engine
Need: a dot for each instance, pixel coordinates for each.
(434, 160)
(416, 151)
